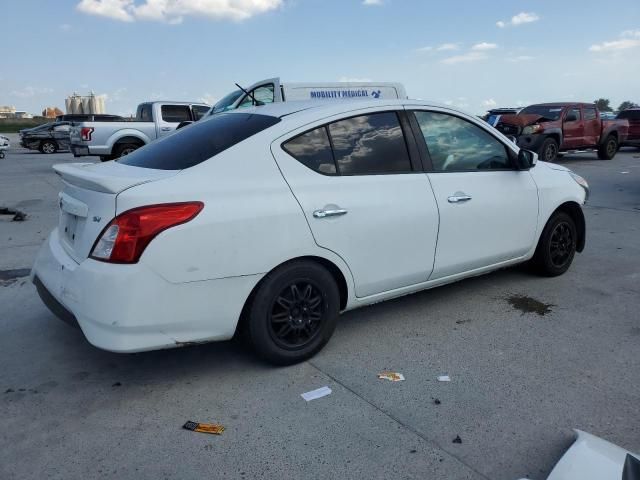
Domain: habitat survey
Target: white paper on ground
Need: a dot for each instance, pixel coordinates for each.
(444, 378)
(313, 394)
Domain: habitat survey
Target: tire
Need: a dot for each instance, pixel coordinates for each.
(608, 149)
(293, 313)
(48, 147)
(106, 158)
(124, 149)
(548, 150)
(556, 247)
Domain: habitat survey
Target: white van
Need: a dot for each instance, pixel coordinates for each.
(273, 90)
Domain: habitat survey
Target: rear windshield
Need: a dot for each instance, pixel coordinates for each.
(199, 141)
(548, 112)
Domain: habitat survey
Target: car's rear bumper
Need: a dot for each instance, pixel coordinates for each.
(130, 308)
(79, 150)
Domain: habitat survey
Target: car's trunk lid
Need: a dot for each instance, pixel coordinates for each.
(88, 200)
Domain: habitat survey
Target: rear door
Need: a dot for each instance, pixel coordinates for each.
(364, 196)
(170, 116)
(592, 126)
(572, 128)
(488, 210)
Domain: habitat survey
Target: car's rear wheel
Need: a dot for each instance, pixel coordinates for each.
(556, 247)
(293, 313)
(608, 149)
(125, 149)
(48, 147)
(549, 150)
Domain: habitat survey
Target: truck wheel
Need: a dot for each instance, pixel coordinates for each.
(549, 150)
(293, 313)
(125, 149)
(556, 247)
(608, 149)
(48, 146)
(106, 158)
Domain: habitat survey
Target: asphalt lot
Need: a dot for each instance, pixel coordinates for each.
(519, 381)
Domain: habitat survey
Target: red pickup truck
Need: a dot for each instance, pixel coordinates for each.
(552, 128)
(632, 115)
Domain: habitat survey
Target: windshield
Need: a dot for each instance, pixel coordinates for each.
(226, 102)
(551, 113)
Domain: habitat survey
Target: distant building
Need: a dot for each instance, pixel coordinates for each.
(78, 104)
(22, 114)
(51, 112)
(7, 111)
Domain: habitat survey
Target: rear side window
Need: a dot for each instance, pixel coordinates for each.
(589, 113)
(370, 144)
(199, 111)
(144, 113)
(175, 113)
(313, 150)
(629, 115)
(201, 141)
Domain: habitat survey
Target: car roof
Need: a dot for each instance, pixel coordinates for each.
(327, 108)
(561, 104)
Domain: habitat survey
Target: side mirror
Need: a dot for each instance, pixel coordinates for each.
(571, 118)
(526, 159)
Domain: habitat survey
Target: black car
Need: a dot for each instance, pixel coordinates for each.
(48, 138)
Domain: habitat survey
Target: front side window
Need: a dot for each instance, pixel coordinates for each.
(573, 115)
(175, 113)
(370, 144)
(455, 144)
(262, 94)
(313, 150)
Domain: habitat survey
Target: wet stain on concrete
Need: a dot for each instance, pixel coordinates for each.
(529, 305)
(13, 274)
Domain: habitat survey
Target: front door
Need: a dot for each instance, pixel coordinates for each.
(171, 116)
(572, 129)
(364, 197)
(488, 210)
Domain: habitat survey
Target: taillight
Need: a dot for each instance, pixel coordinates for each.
(126, 237)
(85, 133)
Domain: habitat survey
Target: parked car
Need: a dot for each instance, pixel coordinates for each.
(607, 115)
(89, 117)
(274, 219)
(4, 145)
(48, 138)
(552, 128)
(273, 90)
(114, 139)
(492, 117)
(632, 115)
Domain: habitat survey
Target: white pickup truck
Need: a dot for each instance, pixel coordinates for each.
(110, 140)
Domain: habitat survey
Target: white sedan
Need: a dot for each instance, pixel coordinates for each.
(275, 219)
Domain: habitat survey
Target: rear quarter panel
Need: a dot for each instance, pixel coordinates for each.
(250, 224)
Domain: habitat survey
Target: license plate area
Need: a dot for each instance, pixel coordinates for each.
(68, 227)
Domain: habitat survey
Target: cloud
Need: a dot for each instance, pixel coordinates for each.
(489, 103)
(372, 2)
(115, 9)
(465, 58)
(519, 19)
(484, 46)
(65, 27)
(174, 11)
(208, 98)
(628, 39)
(426, 49)
(520, 58)
(447, 47)
(29, 92)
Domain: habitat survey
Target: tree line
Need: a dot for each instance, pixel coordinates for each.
(603, 105)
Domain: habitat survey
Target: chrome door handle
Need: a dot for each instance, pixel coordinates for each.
(329, 213)
(459, 198)
(165, 129)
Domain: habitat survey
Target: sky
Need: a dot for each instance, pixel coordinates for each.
(473, 54)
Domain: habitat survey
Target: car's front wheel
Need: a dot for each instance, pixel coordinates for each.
(48, 147)
(293, 313)
(549, 150)
(556, 247)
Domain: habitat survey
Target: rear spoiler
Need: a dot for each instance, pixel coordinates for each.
(110, 177)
